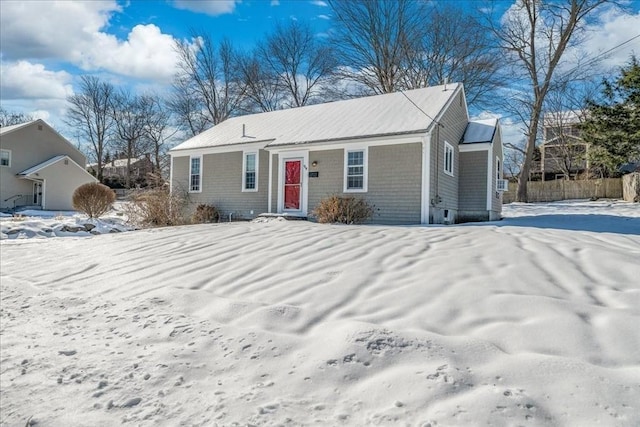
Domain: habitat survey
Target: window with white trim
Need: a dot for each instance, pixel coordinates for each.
(195, 174)
(448, 159)
(498, 170)
(250, 172)
(5, 158)
(355, 173)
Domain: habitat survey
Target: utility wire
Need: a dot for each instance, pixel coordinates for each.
(423, 112)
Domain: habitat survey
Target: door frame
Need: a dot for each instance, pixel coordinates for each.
(37, 198)
(304, 177)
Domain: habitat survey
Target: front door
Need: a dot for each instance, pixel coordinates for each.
(37, 193)
(292, 184)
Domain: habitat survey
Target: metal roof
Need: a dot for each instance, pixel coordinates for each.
(396, 113)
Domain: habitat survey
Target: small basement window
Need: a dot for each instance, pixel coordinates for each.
(5, 158)
(195, 175)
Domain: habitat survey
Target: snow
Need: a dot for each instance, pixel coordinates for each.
(387, 114)
(30, 223)
(532, 320)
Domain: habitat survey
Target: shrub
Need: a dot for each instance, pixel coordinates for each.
(93, 199)
(156, 208)
(346, 210)
(205, 213)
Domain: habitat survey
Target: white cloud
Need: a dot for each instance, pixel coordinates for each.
(23, 79)
(323, 17)
(74, 32)
(209, 7)
(319, 3)
(147, 53)
(48, 29)
(613, 27)
(274, 3)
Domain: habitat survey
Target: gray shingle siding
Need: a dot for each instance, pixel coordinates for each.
(473, 181)
(394, 181)
(444, 188)
(222, 184)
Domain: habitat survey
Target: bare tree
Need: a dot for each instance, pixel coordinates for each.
(297, 61)
(89, 114)
(10, 118)
(372, 39)
(130, 114)
(263, 92)
(535, 34)
(208, 87)
(447, 53)
(157, 131)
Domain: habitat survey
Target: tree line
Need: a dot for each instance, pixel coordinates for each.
(514, 62)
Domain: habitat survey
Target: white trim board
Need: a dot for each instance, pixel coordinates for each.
(304, 197)
(466, 148)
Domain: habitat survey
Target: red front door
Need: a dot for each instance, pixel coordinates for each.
(292, 184)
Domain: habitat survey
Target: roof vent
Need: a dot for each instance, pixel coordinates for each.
(39, 127)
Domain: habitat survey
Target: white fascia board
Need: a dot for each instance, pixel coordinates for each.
(349, 144)
(448, 104)
(231, 148)
(466, 148)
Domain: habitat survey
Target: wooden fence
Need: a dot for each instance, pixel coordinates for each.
(549, 191)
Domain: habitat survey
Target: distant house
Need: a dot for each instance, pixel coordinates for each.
(115, 172)
(39, 168)
(563, 152)
(403, 152)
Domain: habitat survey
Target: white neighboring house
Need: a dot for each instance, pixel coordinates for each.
(39, 168)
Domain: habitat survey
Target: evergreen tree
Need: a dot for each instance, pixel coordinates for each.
(612, 126)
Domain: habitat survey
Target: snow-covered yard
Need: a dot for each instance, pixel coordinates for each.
(533, 320)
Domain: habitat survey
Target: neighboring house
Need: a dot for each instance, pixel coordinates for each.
(563, 152)
(115, 171)
(398, 151)
(39, 168)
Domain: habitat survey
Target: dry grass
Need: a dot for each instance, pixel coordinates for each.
(156, 208)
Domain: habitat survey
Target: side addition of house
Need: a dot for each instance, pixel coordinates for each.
(401, 152)
(39, 168)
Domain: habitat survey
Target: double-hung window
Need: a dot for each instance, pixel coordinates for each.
(5, 158)
(250, 172)
(355, 170)
(448, 159)
(195, 175)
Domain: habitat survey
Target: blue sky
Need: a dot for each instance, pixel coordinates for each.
(46, 45)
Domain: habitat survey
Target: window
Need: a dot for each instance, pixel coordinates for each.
(448, 159)
(195, 175)
(250, 172)
(5, 158)
(356, 171)
(498, 170)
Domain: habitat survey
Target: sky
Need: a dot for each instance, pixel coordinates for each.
(45, 46)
